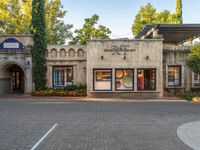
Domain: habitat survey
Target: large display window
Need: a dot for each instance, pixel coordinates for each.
(146, 79)
(62, 76)
(195, 80)
(102, 79)
(124, 79)
(69, 74)
(174, 75)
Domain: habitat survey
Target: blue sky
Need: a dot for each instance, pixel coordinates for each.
(118, 15)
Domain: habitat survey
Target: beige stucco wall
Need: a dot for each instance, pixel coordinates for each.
(134, 59)
(85, 58)
(26, 40)
(17, 57)
(176, 56)
(72, 55)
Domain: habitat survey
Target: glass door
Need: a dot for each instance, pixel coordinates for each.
(16, 81)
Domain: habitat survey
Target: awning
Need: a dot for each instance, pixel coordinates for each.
(172, 33)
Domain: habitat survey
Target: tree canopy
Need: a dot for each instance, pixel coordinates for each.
(193, 60)
(15, 18)
(146, 15)
(149, 15)
(179, 11)
(38, 28)
(90, 30)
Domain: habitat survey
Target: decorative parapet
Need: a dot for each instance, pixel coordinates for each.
(66, 52)
(176, 48)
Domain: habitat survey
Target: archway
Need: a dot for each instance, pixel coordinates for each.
(12, 79)
(17, 79)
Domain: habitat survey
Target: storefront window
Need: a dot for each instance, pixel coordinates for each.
(103, 79)
(174, 76)
(146, 79)
(196, 80)
(70, 74)
(62, 76)
(124, 79)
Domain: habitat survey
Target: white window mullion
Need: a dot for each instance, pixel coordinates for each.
(74, 74)
(182, 75)
(65, 76)
(166, 76)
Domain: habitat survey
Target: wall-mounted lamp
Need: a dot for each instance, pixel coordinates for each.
(102, 57)
(28, 64)
(124, 56)
(84, 69)
(147, 57)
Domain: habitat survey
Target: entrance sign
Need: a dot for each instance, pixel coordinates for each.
(11, 44)
(118, 49)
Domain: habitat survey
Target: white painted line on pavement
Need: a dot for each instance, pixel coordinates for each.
(44, 136)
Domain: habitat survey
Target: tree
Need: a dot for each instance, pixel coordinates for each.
(166, 17)
(90, 31)
(149, 15)
(12, 19)
(193, 61)
(38, 28)
(179, 11)
(15, 18)
(146, 15)
(57, 30)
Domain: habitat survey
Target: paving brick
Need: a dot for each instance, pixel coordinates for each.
(94, 125)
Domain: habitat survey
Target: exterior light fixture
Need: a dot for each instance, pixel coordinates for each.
(84, 69)
(147, 57)
(28, 64)
(102, 57)
(124, 56)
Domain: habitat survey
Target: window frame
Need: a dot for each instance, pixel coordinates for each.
(155, 69)
(195, 83)
(133, 71)
(72, 81)
(66, 80)
(180, 76)
(94, 74)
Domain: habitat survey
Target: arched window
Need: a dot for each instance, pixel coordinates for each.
(80, 53)
(53, 53)
(62, 53)
(71, 53)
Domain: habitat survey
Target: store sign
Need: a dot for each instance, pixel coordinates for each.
(119, 49)
(11, 44)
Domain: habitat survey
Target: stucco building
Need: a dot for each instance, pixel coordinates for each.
(150, 65)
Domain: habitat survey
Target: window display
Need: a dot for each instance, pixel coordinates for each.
(62, 76)
(146, 79)
(124, 79)
(196, 80)
(70, 74)
(174, 76)
(102, 79)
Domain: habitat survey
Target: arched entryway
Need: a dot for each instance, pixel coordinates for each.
(17, 79)
(12, 79)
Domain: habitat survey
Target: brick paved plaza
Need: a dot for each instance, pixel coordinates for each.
(84, 125)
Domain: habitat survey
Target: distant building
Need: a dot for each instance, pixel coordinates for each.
(152, 65)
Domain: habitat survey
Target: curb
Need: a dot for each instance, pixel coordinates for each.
(189, 134)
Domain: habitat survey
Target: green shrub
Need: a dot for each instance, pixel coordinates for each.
(75, 87)
(193, 61)
(70, 90)
(188, 97)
